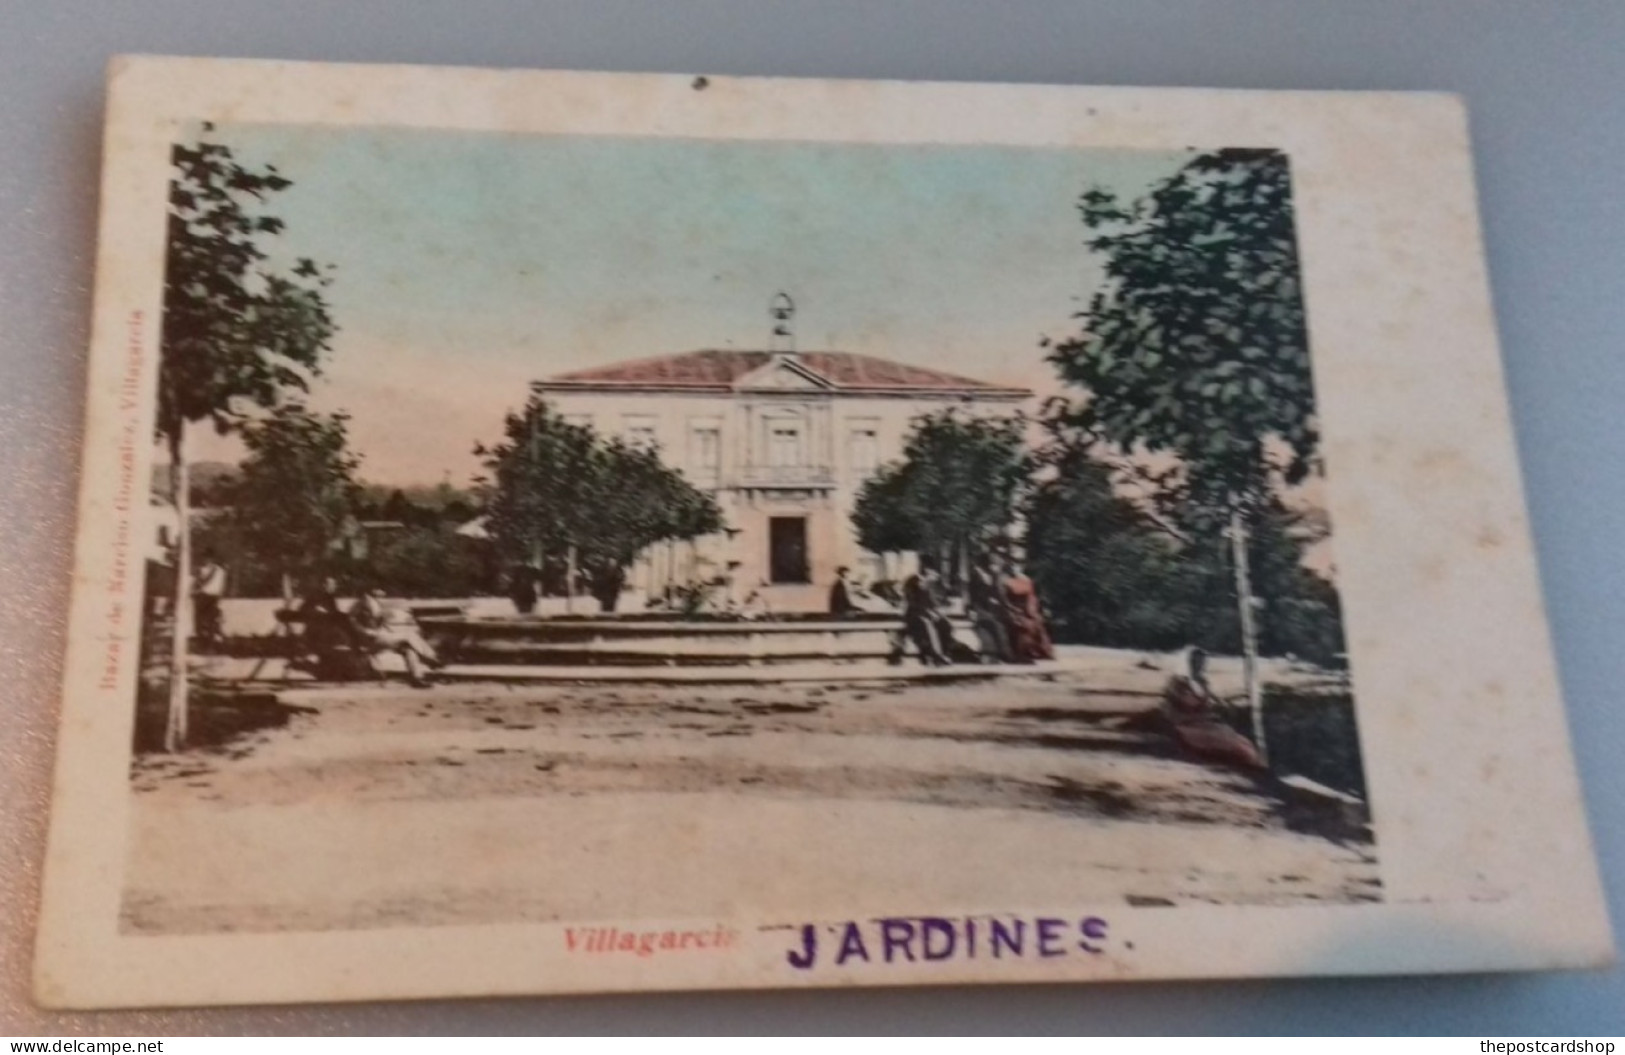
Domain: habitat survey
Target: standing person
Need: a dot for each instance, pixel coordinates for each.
(841, 603)
(522, 589)
(1023, 618)
(922, 614)
(208, 587)
(986, 610)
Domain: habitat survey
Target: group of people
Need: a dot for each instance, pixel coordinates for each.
(1002, 604)
(372, 625)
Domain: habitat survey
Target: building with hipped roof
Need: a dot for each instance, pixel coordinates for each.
(783, 438)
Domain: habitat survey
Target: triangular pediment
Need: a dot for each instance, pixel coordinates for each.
(784, 373)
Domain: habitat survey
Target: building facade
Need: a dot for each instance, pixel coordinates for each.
(783, 439)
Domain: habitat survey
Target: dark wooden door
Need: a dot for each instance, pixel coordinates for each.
(787, 543)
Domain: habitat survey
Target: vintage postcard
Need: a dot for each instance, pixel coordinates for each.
(553, 532)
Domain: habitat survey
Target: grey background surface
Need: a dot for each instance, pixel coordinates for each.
(1546, 88)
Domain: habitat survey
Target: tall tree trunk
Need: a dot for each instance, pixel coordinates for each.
(570, 581)
(1249, 626)
(181, 486)
(537, 555)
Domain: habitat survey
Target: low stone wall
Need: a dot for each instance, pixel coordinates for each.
(256, 616)
(642, 642)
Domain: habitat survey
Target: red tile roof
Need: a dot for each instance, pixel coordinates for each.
(718, 370)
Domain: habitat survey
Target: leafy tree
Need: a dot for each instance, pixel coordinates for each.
(295, 500)
(883, 516)
(535, 482)
(423, 556)
(399, 507)
(555, 486)
(422, 560)
(238, 333)
(1112, 575)
(1196, 346)
(1301, 613)
(1107, 575)
(631, 500)
(956, 487)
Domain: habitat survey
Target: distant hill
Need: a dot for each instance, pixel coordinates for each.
(434, 497)
(207, 477)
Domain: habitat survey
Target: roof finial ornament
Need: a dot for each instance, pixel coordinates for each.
(783, 310)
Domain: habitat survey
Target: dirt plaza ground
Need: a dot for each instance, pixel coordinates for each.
(470, 803)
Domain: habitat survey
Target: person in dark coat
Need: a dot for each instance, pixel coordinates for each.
(922, 615)
(522, 589)
(328, 633)
(840, 595)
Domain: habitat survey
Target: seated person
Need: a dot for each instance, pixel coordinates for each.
(923, 618)
(1191, 711)
(841, 601)
(385, 626)
(327, 633)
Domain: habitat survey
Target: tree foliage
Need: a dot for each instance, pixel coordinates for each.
(1110, 575)
(956, 487)
(238, 331)
(1195, 379)
(294, 502)
(1196, 344)
(536, 479)
(1107, 576)
(428, 560)
(403, 541)
(555, 486)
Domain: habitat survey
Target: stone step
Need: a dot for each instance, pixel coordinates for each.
(815, 672)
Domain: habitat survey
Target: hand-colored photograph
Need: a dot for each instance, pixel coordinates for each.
(555, 528)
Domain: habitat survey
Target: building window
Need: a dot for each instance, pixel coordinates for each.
(784, 446)
(863, 450)
(705, 453)
(640, 432)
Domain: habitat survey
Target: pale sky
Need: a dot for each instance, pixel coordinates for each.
(470, 264)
